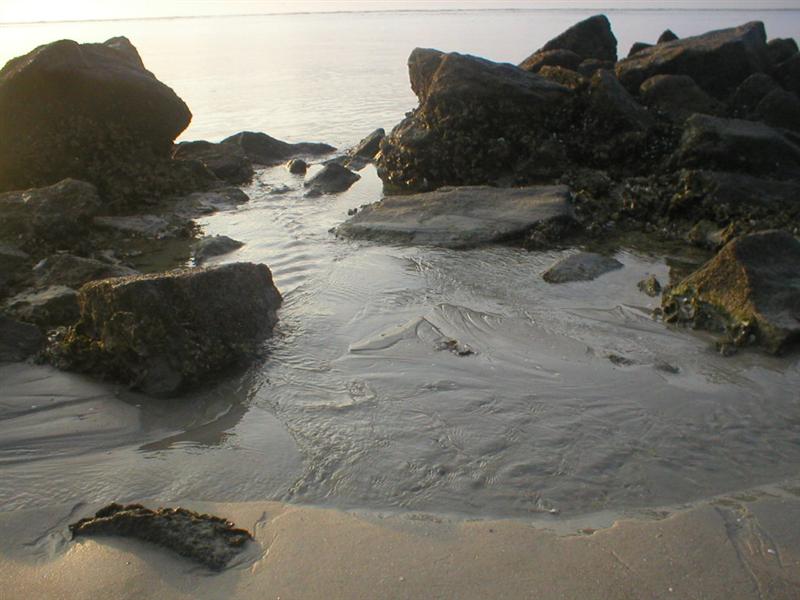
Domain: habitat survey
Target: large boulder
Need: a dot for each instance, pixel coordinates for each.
(780, 108)
(591, 38)
(263, 149)
(166, 332)
(477, 121)
(750, 291)
(56, 217)
(226, 161)
(460, 217)
(613, 105)
(87, 111)
(718, 61)
(551, 58)
(788, 73)
(15, 266)
(678, 96)
(18, 340)
(781, 49)
(751, 92)
(736, 145)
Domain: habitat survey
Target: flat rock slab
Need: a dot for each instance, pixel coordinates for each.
(583, 266)
(206, 539)
(459, 217)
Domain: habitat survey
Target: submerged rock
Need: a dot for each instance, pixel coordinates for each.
(750, 291)
(53, 306)
(205, 539)
(332, 179)
(90, 112)
(718, 61)
(263, 149)
(74, 271)
(583, 266)
(459, 217)
(226, 161)
(18, 340)
(591, 38)
(211, 246)
(164, 333)
(57, 217)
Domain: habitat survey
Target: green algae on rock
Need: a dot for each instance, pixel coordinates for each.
(206, 539)
(749, 291)
(166, 332)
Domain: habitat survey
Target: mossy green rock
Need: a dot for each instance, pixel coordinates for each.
(750, 290)
(164, 333)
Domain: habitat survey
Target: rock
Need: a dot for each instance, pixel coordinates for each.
(551, 58)
(751, 91)
(15, 265)
(149, 226)
(89, 112)
(459, 217)
(205, 539)
(571, 79)
(750, 291)
(591, 38)
(477, 121)
(203, 203)
(211, 246)
(781, 49)
(780, 108)
(167, 332)
(592, 65)
(707, 235)
(614, 105)
(667, 36)
(735, 145)
(725, 197)
(74, 271)
(226, 161)
(678, 96)
(297, 166)
(332, 179)
(263, 149)
(788, 73)
(369, 147)
(50, 307)
(583, 266)
(638, 47)
(46, 219)
(650, 286)
(718, 61)
(18, 340)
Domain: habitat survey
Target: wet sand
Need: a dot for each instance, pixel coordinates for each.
(742, 547)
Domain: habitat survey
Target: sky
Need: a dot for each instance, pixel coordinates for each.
(16, 11)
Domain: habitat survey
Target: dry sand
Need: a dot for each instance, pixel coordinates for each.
(731, 548)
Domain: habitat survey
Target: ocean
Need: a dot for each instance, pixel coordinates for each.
(354, 406)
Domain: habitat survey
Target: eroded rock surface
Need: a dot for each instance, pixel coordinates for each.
(205, 539)
(750, 291)
(166, 332)
(459, 217)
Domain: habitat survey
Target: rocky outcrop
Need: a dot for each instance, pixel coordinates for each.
(460, 217)
(205, 539)
(52, 218)
(217, 245)
(750, 291)
(584, 266)
(90, 112)
(477, 121)
(164, 333)
(667, 36)
(717, 61)
(591, 38)
(551, 58)
(332, 179)
(226, 161)
(263, 149)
